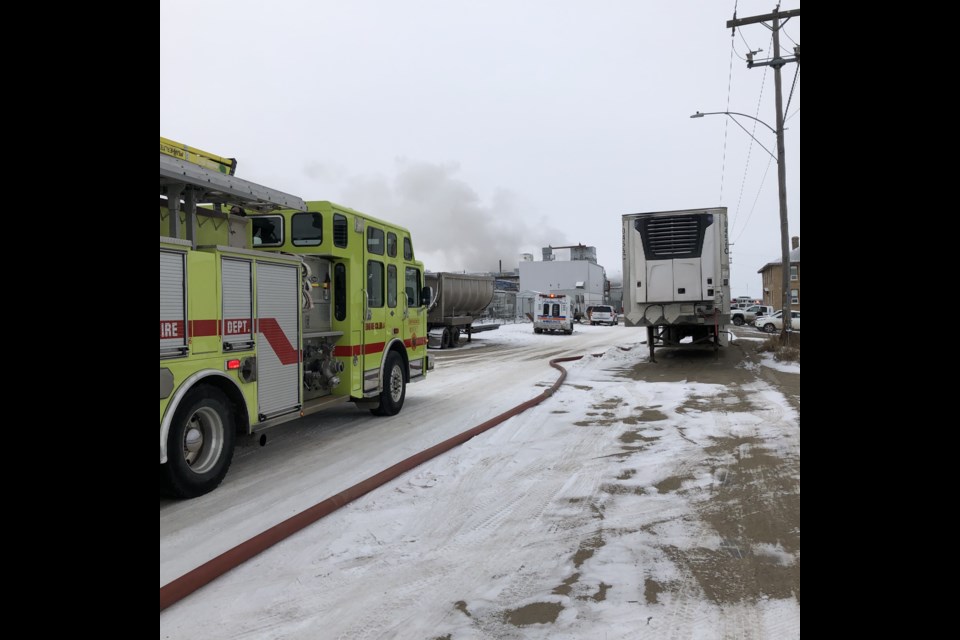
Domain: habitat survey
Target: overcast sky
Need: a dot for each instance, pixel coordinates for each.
(492, 128)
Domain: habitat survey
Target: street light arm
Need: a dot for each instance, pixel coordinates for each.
(731, 114)
(747, 131)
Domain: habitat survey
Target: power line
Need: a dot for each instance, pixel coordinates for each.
(740, 31)
(746, 168)
(793, 86)
(737, 53)
(763, 181)
(788, 37)
(726, 125)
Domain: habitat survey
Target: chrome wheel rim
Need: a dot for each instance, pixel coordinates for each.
(203, 440)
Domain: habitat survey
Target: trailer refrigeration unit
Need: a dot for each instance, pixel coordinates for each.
(458, 299)
(676, 277)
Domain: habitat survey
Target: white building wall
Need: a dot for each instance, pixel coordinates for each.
(562, 277)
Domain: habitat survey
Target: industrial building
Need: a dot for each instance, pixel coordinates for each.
(580, 277)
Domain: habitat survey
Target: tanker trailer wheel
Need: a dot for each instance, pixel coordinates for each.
(199, 445)
(445, 338)
(454, 337)
(394, 388)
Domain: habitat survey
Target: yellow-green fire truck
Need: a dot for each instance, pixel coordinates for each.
(272, 308)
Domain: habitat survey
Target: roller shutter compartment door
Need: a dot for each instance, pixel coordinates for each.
(278, 320)
(173, 320)
(237, 329)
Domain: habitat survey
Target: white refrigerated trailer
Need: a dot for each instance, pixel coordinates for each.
(676, 277)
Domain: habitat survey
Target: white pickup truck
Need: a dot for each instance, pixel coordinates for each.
(746, 316)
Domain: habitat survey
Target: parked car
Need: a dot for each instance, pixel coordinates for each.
(602, 314)
(774, 323)
(749, 314)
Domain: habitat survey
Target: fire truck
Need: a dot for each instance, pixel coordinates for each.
(272, 308)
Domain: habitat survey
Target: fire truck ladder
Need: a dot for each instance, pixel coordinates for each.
(185, 184)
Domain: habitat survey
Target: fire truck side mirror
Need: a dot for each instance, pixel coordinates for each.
(426, 295)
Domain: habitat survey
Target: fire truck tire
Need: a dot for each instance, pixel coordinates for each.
(200, 444)
(394, 388)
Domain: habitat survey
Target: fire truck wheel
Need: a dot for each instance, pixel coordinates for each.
(200, 444)
(394, 388)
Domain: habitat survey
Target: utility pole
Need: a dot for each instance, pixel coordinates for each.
(777, 62)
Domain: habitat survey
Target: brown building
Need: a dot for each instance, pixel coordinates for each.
(772, 276)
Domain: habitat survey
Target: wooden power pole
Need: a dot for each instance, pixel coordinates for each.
(777, 62)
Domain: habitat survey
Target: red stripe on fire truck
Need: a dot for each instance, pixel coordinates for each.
(271, 330)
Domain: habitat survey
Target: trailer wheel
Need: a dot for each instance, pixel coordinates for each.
(394, 388)
(738, 320)
(199, 445)
(454, 337)
(445, 338)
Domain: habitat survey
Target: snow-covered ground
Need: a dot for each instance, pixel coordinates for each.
(596, 514)
(788, 367)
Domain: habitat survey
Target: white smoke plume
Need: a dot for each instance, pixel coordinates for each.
(452, 229)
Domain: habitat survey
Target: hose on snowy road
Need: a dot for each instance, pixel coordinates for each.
(181, 587)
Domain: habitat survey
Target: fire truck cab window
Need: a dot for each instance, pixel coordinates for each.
(391, 285)
(340, 230)
(374, 284)
(306, 229)
(407, 249)
(412, 286)
(391, 244)
(268, 231)
(375, 240)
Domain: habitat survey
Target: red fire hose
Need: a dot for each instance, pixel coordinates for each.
(189, 582)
